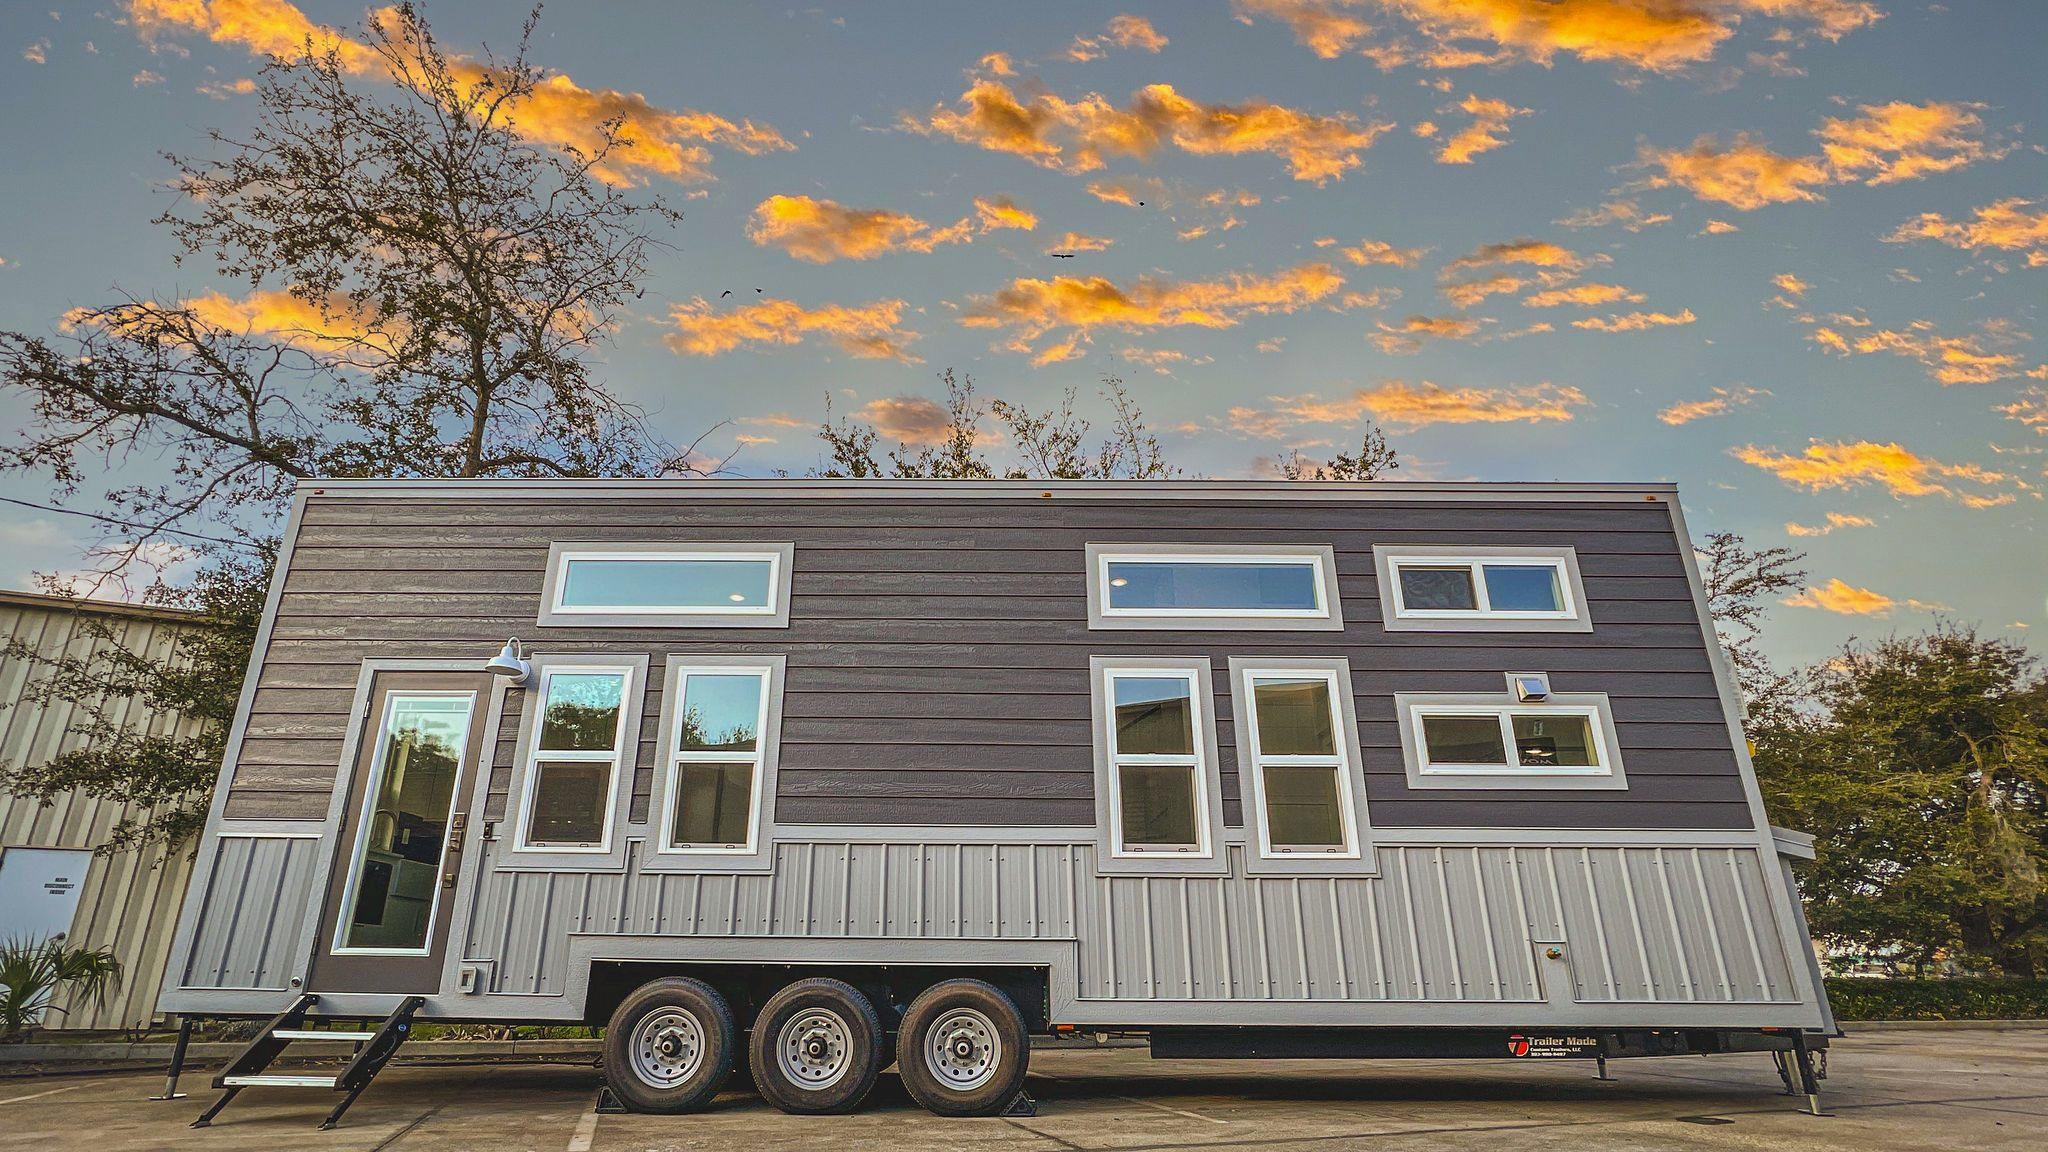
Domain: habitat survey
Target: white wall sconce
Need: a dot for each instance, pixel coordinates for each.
(511, 664)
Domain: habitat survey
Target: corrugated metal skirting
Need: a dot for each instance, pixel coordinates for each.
(1654, 925)
(255, 907)
(129, 900)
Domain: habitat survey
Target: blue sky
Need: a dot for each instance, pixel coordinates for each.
(1790, 253)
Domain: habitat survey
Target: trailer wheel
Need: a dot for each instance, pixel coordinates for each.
(962, 1049)
(669, 1046)
(816, 1047)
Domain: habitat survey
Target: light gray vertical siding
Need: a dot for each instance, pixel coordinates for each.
(1460, 924)
(254, 906)
(129, 899)
(938, 648)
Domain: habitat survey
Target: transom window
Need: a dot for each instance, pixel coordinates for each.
(578, 744)
(731, 586)
(1151, 586)
(1157, 798)
(1497, 589)
(1517, 740)
(714, 759)
(1300, 762)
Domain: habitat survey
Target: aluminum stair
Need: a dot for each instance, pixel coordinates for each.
(374, 1049)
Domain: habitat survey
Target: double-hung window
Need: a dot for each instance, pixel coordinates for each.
(1429, 588)
(715, 759)
(1155, 748)
(667, 585)
(574, 756)
(713, 808)
(1477, 741)
(1298, 765)
(1213, 586)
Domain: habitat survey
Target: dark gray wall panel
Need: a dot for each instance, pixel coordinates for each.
(938, 649)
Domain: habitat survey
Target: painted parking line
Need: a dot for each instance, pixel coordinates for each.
(1148, 1103)
(586, 1132)
(1174, 1111)
(40, 1095)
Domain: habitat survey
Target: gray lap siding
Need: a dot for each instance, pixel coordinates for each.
(938, 649)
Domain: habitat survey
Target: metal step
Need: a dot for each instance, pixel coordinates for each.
(279, 1080)
(312, 1034)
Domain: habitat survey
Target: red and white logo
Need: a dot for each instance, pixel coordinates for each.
(1518, 1045)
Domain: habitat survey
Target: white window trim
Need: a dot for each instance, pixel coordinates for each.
(1343, 763)
(1319, 559)
(1111, 857)
(1505, 715)
(622, 736)
(1571, 616)
(1204, 844)
(1423, 774)
(773, 614)
(674, 758)
(361, 845)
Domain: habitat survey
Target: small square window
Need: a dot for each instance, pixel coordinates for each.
(1463, 741)
(1158, 802)
(1294, 717)
(569, 803)
(1523, 588)
(1304, 807)
(582, 712)
(714, 804)
(1154, 716)
(721, 712)
(1435, 589)
(1501, 589)
(1554, 741)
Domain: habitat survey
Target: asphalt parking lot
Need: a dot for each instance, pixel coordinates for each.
(1892, 1090)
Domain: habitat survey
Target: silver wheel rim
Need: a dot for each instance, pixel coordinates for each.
(963, 1050)
(814, 1049)
(668, 1047)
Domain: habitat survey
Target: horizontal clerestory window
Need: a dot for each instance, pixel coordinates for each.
(1249, 587)
(667, 585)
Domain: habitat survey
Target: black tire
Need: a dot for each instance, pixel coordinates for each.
(634, 1076)
(960, 1088)
(847, 1066)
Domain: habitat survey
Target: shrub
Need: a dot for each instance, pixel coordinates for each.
(1881, 998)
(33, 971)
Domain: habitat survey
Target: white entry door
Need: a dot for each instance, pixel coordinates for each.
(39, 890)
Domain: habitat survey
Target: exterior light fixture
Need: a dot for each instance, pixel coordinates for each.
(511, 664)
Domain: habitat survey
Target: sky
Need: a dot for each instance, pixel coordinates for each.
(1789, 254)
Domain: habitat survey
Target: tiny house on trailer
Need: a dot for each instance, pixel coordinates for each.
(825, 774)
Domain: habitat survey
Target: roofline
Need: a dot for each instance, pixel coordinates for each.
(989, 489)
(50, 603)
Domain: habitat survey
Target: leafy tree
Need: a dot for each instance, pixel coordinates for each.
(1049, 445)
(1374, 459)
(1740, 583)
(425, 288)
(1923, 772)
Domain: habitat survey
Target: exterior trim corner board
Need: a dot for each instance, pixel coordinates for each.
(935, 775)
